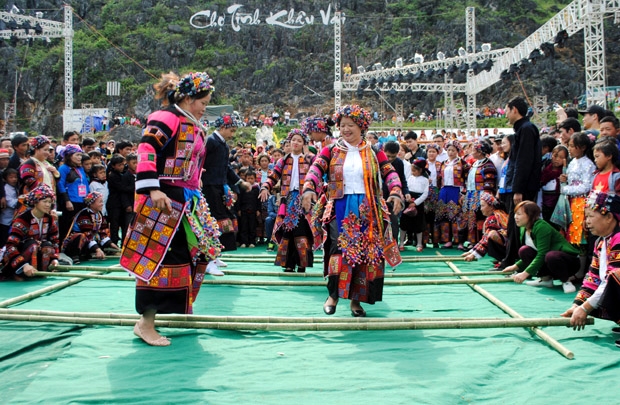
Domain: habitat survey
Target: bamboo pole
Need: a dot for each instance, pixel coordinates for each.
(226, 318)
(544, 336)
(42, 291)
(245, 258)
(289, 274)
(333, 326)
(283, 283)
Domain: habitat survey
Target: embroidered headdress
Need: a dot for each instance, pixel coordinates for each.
(360, 117)
(194, 83)
(433, 146)
(454, 143)
(40, 193)
(604, 203)
(91, 197)
(38, 141)
(483, 147)
(299, 132)
(316, 124)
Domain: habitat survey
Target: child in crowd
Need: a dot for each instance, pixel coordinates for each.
(10, 177)
(413, 218)
(99, 184)
(607, 176)
(550, 183)
(578, 179)
(114, 205)
(276, 155)
(89, 234)
(263, 165)
(96, 157)
(128, 181)
(87, 164)
(272, 214)
(249, 210)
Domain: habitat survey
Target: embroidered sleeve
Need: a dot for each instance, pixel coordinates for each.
(489, 176)
(18, 233)
(274, 175)
(28, 174)
(389, 175)
(319, 167)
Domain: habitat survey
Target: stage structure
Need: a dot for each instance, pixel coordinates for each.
(26, 27)
(586, 15)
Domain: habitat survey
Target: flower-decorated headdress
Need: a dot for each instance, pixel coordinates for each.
(604, 203)
(40, 193)
(194, 83)
(433, 146)
(299, 132)
(91, 197)
(483, 147)
(360, 117)
(317, 124)
(489, 199)
(456, 144)
(226, 121)
(38, 141)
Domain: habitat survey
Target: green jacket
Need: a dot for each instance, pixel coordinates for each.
(546, 239)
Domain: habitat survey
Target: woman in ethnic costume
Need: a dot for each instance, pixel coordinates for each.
(494, 230)
(173, 229)
(451, 178)
(33, 238)
(431, 234)
(37, 170)
(481, 177)
(291, 230)
(318, 129)
(355, 219)
(599, 295)
(90, 233)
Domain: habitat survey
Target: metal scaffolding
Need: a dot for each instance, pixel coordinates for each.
(44, 29)
(579, 15)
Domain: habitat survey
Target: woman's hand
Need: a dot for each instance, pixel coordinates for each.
(578, 318)
(510, 269)
(161, 201)
(29, 270)
(69, 206)
(99, 254)
(307, 199)
(520, 277)
(468, 257)
(264, 195)
(396, 204)
(563, 178)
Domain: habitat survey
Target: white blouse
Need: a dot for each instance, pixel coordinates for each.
(295, 173)
(418, 184)
(353, 172)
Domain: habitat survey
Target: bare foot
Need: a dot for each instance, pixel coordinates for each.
(149, 335)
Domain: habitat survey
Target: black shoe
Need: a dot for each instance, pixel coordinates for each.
(616, 330)
(301, 270)
(76, 260)
(358, 313)
(329, 309)
(289, 270)
(617, 343)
